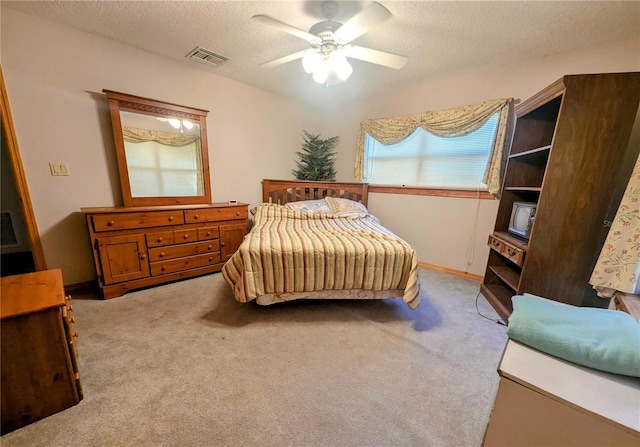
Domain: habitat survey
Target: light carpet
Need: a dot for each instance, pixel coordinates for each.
(184, 364)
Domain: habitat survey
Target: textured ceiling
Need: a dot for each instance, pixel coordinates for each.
(437, 37)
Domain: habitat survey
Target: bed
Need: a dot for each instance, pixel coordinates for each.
(317, 240)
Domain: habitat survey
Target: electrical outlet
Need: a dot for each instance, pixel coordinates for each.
(59, 169)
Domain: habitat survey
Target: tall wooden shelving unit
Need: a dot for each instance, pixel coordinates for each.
(570, 153)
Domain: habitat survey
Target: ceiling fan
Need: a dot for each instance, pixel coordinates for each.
(331, 43)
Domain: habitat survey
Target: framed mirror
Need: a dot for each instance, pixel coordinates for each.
(161, 150)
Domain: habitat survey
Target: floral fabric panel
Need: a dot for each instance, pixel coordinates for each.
(618, 266)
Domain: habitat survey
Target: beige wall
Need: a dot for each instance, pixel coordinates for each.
(55, 75)
(443, 230)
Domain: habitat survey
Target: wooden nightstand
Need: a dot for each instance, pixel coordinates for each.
(39, 361)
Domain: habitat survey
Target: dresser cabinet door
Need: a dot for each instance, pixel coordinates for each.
(123, 258)
(230, 239)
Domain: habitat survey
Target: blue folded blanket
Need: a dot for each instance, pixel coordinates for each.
(603, 339)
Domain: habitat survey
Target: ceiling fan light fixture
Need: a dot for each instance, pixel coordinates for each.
(339, 65)
(311, 61)
(344, 71)
(321, 73)
(331, 43)
(337, 59)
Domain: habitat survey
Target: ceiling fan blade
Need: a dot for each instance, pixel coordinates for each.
(284, 60)
(362, 22)
(288, 28)
(376, 57)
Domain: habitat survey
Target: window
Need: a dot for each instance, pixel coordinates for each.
(426, 160)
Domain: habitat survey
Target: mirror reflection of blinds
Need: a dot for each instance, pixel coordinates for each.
(423, 159)
(156, 170)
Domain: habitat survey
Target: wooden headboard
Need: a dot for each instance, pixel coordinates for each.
(283, 191)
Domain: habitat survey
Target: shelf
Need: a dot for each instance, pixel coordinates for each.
(499, 297)
(539, 151)
(506, 274)
(559, 156)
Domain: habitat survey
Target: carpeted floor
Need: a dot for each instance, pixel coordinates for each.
(186, 365)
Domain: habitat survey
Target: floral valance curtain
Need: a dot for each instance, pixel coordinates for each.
(618, 267)
(454, 122)
(134, 135)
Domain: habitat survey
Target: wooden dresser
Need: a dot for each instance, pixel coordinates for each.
(39, 361)
(135, 247)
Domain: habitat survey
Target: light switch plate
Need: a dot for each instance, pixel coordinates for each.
(59, 169)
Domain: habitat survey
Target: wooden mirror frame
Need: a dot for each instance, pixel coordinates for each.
(122, 102)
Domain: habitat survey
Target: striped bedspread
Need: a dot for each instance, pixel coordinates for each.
(289, 251)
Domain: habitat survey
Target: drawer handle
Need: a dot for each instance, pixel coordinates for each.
(208, 233)
(195, 216)
(163, 268)
(161, 254)
(223, 244)
(495, 243)
(75, 334)
(143, 256)
(186, 236)
(211, 259)
(237, 213)
(110, 223)
(72, 320)
(170, 218)
(160, 239)
(67, 297)
(70, 308)
(209, 247)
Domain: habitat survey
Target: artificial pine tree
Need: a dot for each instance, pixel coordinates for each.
(316, 158)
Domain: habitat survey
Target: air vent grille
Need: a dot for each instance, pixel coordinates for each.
(206, 57)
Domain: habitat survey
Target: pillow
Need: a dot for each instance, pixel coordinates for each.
(602, 339)
(310, 206)
(340, 205)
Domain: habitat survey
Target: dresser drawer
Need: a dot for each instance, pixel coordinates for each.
(208, 233)
(215, 214)
(68, 322)
(176, 265)
(183, 250)
(184, 236)
(126, 221)
(509, 251)
(160, 238)
(494, 243)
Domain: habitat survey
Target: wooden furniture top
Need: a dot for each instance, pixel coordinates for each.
(138, 209)
(629, 303)
(31, 292)
(283, 191)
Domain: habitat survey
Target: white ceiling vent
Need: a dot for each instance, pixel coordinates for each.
(206, 57)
